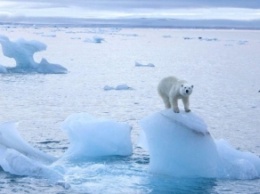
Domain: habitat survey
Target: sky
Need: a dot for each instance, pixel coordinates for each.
(18, 10)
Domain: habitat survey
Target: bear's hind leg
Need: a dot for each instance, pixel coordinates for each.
(166, 102)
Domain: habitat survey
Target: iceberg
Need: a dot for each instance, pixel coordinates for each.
(92, 137)
(22, 52)
(180, 145)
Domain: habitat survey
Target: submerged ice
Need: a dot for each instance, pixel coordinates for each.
(22, 52)
(180, 145)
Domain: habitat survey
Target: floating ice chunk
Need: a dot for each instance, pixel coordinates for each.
(242, 42)
(95, 39)
(16, 163)
(118, 87)
(106, 87)
(19, 158)
(94, 137)
(123, 87)
(10, 138)
(180, 145)
(138, 64)
(22, 51)
(235, 164)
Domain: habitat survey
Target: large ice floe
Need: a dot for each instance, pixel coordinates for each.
(22, 52)
(180, 145)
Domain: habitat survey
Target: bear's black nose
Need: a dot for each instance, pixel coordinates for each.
(187, 91)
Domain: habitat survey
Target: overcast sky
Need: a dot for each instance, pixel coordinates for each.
(177, 9)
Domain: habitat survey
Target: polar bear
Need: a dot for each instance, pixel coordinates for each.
(171, 89)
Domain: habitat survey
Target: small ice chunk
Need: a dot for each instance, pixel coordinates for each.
(95, 39)
(138, 64)
(96, 137)
(118, 87)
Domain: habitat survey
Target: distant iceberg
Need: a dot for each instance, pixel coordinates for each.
(138, 64)
(95, 39)
(22, 52)
(180, 145)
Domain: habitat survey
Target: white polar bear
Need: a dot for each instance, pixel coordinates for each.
(171, 89)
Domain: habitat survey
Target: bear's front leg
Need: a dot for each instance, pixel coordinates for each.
(174, 105)
(186, 104)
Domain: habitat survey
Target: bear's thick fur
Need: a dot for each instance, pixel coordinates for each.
(171, 89)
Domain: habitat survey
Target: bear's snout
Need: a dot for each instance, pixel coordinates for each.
(187, 91)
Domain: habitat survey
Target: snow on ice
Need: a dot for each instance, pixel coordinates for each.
(22, 51)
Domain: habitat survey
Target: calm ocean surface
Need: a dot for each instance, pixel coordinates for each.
(224, 66)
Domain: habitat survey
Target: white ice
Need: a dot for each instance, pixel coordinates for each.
(118, 87)
(180, 145)
(22, 51)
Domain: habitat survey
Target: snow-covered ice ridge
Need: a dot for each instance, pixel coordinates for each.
(178, 144)
(22, 52)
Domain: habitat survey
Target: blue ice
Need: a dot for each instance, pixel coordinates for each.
(22, 52)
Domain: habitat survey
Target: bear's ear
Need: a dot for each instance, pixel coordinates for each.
(192, 86)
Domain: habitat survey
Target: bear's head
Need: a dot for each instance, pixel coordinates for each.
(186, 90)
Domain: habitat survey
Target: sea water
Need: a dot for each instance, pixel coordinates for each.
(223, 66)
